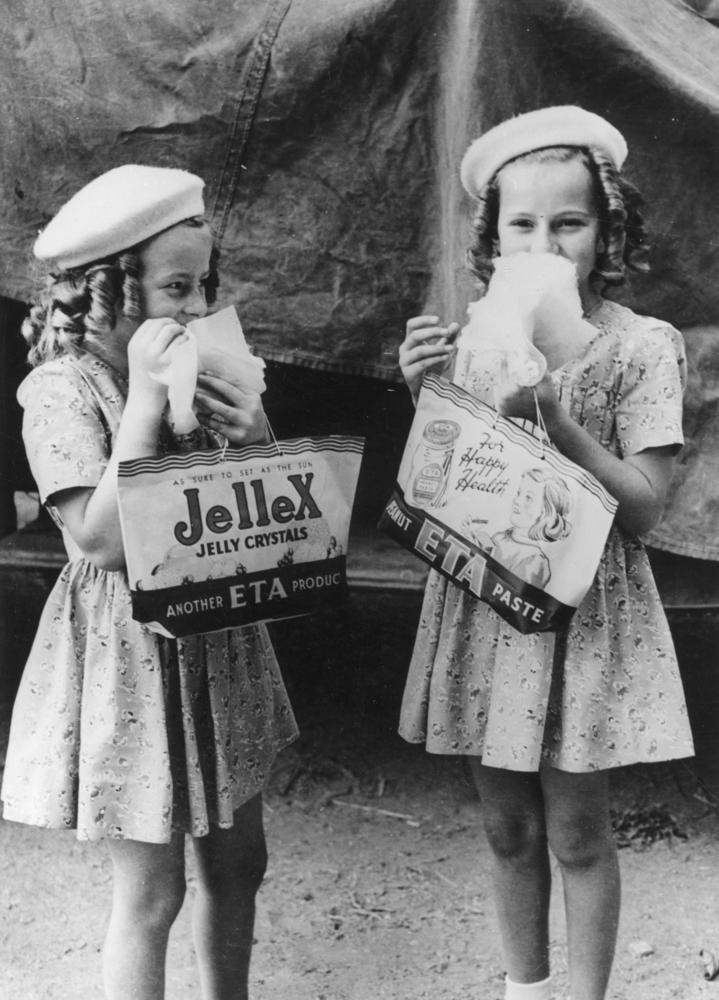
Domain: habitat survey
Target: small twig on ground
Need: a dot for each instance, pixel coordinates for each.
(410, 820)
(445, 879)
(426, 873)
(378, 912)
(329, 798)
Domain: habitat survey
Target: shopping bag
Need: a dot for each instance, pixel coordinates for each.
(497, 509)
(221, 538)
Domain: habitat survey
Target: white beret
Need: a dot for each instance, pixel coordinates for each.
(558, 126)
(117, 210)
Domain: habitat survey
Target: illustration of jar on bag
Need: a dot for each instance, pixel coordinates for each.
(432, 462)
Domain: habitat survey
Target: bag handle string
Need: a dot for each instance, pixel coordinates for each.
(268, 427)
(543, 435)
(272, 435)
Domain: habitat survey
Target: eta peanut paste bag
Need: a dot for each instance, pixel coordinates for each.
(217, 539)
(497, 510)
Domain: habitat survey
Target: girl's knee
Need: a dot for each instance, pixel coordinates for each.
(512, 812)
(515, 838)
(579, 828)
(235, 870)
(582, 843)
(164, 904)
(251, 864)
(152, 902)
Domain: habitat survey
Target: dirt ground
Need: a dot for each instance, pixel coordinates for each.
(378, 881)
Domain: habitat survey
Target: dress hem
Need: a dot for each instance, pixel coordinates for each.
(644, 759)
(13, 815)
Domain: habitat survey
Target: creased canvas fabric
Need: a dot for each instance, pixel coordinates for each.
(329, 133)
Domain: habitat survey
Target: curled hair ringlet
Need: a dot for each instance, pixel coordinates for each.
(91, 298)
(620, 208)
(81, 300)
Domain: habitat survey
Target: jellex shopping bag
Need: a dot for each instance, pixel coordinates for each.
(497, 510)
(217, 539)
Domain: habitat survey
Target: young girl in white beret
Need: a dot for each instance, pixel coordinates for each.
(543, 719)
(117, 732)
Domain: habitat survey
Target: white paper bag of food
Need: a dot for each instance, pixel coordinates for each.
(218, 539)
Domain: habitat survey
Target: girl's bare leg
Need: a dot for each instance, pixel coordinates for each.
(513, 816)
(580, 836)
(231, 865)
(148, 890)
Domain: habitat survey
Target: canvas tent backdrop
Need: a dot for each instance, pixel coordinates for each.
(329, 133)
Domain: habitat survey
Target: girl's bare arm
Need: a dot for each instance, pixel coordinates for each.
(638, 482)
(91, 515)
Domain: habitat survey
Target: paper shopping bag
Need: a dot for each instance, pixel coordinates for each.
(497, 510)
(217, 539)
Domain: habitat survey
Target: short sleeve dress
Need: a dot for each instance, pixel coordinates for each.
(117, 731)
(608, 691)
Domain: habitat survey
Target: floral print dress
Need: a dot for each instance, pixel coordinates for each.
(607, 692)
(117, 731)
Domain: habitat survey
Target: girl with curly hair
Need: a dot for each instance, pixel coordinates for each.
(117, 732)
(544, 718)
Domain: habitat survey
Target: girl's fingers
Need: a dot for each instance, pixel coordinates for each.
(419, 322)
(427, 355)
(222, 388)
(427, 335)
(213, 407)
(452, 330)
(426, 350)
(160, 332)
(242, 414)
(429, 325)
(152, 340)
(427, 346)
(419, 332)
(166, 337)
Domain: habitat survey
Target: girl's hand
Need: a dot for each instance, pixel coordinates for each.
(518, 401)
(147, 353)
(427, 347)
(222, 406)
